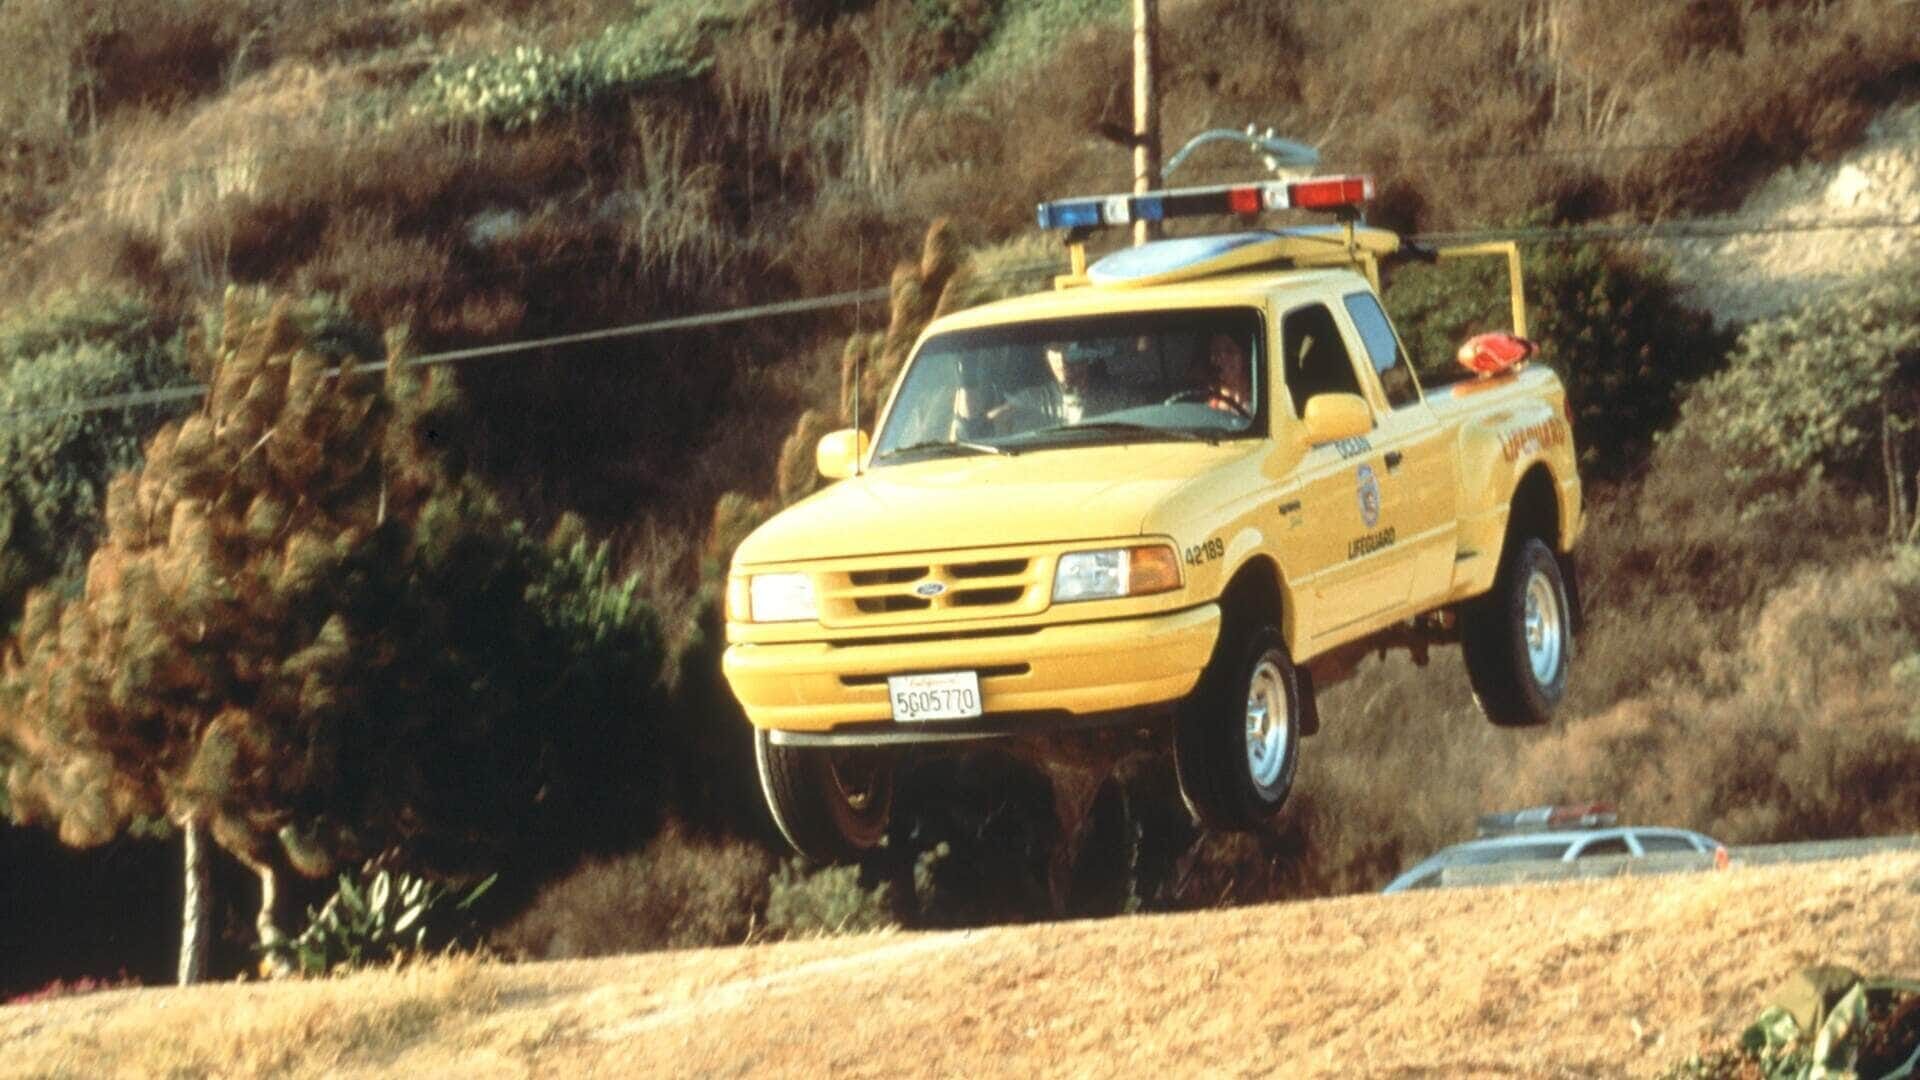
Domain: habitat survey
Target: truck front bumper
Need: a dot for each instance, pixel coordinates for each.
(1091, 670)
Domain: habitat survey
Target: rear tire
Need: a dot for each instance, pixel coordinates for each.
(1237, 736)
(1518, 638)
(833, 806)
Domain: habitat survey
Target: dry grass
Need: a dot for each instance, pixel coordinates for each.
(1809, 737)
(1470, 111)
(1601, 978)
(358, 1023)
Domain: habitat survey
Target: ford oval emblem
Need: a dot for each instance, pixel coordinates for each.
(929, 589)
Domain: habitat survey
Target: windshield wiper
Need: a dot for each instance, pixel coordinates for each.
(944, 444)
(1123, 427)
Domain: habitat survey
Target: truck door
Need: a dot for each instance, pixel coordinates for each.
(1418, 454)
(1347, 546)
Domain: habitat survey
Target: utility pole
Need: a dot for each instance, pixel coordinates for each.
(1146, 111)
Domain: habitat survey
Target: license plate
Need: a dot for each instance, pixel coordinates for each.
(948, 695)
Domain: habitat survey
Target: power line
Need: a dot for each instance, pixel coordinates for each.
(1668, 231)
(657, 326)
(1658, 232)
(165, 395)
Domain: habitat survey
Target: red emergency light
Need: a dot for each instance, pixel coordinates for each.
(1491, 354)
(1332, 193)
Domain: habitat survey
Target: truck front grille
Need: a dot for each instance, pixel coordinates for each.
(881, 605)
(927, 590)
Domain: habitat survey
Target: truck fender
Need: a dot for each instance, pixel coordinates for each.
(1513, 458)
(1258, 589)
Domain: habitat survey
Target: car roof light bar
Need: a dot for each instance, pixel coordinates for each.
(1592, 815)
(1332, 193)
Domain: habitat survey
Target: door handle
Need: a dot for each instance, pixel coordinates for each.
(1394, 458)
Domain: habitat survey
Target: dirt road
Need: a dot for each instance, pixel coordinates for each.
(1611, 978)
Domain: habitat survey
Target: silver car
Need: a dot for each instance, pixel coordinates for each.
(1551, 834)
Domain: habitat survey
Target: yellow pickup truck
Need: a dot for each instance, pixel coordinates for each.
(1159, 505)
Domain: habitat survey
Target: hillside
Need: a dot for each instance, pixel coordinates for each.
(452, 173)
(1585, 979)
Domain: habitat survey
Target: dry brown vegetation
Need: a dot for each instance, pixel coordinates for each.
(678, 893)
(172, 147)
(1601, 978)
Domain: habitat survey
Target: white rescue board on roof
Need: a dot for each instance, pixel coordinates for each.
(1190, 257)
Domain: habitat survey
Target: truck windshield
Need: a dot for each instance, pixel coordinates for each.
(1145, 376)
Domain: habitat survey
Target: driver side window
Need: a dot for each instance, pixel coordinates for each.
(1315, 356)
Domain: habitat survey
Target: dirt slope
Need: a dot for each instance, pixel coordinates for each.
(1577, 979)
(1757, 276)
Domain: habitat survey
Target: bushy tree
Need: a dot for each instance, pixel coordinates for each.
(1609, 323)
(307, 632)
(54, 466)
(1831, 388)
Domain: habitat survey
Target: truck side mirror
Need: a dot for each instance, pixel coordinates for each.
(839, 454)
(1337, 416)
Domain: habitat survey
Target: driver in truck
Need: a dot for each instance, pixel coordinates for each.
(1228, 380)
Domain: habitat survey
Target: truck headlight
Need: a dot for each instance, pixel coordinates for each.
(771, 598)
(1112, 572)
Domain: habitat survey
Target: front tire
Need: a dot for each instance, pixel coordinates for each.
(1518, 638)
(833, 806)
(1237, 737)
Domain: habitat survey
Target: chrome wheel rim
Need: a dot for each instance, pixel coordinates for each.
(1545, 627)
(1266, 723)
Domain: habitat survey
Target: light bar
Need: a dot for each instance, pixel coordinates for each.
(1319, 193)
(1595, 815)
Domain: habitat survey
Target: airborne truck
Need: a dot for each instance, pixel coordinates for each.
(1159, 507)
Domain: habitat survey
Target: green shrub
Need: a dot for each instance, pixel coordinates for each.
(518, 89)
(823, 902)
(54, 468)
(1833, 387)
(1608, 322)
